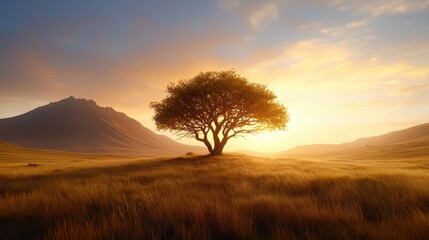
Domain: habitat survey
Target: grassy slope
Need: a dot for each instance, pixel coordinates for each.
(74, 196)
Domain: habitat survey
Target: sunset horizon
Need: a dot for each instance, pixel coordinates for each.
(268, 135)
(344, 70)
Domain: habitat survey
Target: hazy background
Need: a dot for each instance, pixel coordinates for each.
(345, 69)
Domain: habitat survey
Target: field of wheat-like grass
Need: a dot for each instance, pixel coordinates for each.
(77, 196)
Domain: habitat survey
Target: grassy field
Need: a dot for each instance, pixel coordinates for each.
(78, 196)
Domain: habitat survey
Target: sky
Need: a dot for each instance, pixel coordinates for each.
(344, 69)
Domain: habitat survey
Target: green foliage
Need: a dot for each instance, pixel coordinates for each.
(220, 105)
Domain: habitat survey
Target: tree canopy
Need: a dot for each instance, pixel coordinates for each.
(214, 107)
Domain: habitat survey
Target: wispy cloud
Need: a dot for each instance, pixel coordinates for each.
(372, 104)
(338, 75)
(264, 15)
(258, 14)
(356, 24)
(380, 7)
(346, 31)
(414, 89)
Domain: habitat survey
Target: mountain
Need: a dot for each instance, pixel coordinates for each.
(417, 136)
(81, 125)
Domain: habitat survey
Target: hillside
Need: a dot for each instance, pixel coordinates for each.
(82, 126)
(402, 140)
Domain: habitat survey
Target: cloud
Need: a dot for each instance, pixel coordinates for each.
(335, 71)
(352, 30)
(356, 24)
(257, 14)
(124, 71)
(414, 89)
(263, 16)
(370, 104)
(381, 7)
(336, 88)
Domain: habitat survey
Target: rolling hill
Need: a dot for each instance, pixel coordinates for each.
(80, 125)
(413, 140)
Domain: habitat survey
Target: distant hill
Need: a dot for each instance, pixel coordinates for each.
(81, 125)
(4, 146)
(417, 136)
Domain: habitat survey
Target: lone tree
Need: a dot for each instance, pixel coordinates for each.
(214, 107)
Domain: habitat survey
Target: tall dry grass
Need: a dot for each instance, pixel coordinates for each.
(228, 197)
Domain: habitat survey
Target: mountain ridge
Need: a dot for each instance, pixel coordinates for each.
(80, 125)
(399, 137)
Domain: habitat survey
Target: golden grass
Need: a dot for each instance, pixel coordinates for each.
(227, 197)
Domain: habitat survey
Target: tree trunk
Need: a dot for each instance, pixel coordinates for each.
(218, 149)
